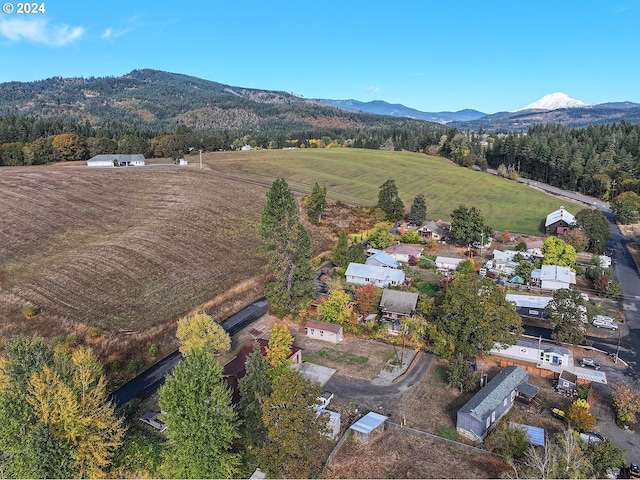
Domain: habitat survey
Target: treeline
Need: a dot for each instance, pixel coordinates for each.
(599, 160)
(29, 140)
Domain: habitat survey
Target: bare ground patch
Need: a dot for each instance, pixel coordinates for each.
(376, 353)
(399, 455)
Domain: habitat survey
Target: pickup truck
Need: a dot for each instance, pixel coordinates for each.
(588, 362)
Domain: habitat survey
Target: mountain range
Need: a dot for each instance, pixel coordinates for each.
(161, 100)
(552, 108)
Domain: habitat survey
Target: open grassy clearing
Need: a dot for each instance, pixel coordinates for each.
(354, 176)
(334, 355)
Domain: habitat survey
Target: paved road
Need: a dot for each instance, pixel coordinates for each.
(149, 381)
(626, 273)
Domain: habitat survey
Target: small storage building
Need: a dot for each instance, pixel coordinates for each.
(329, 332)
(368, 427)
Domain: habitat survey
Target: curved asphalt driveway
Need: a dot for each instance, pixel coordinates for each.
(380, 398)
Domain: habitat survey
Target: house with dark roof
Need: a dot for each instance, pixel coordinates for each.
(558, 222)
(567, 382)
(235, 369)
(476, 417)
(432, 230)
(396, 305)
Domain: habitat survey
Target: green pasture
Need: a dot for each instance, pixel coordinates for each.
(355, 175)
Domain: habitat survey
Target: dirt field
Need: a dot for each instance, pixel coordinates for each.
(399, 455)
(113, 257)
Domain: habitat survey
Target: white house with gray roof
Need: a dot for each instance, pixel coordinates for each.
(554, 277)
(476, 417)
(544, 355)
(382, 277)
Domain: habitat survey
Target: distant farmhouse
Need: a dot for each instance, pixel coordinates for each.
(116, 160)
(558, 222)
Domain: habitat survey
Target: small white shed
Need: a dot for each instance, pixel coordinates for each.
(329, 332)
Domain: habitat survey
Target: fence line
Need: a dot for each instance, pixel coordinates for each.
(444, 441)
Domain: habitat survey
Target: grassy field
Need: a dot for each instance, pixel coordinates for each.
(355, 175)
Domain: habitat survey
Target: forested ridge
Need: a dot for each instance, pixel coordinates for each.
(599, 160)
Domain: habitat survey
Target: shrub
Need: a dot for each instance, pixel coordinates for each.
(116, 366)
(579, 416)
(29, 312)
(94, 332)
(136, 364)
(509, 441)
(153, 350)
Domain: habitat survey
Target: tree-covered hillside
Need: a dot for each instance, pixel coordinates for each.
(162, 100)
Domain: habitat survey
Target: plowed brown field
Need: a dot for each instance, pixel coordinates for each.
(115, 256)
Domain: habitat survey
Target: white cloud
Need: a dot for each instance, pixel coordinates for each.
(373, 89)
(39, 31)
(109, 34)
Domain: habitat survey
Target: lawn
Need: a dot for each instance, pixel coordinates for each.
(333, 355)
(355, 175)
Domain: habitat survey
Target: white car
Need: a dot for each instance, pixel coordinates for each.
(604, 322)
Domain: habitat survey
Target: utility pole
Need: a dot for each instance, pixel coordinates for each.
(201, 159)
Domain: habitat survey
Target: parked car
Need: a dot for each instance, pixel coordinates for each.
(588, 437)
(589, 362)
(604, 322)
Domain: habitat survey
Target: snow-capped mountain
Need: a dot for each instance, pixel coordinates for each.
(554, 101)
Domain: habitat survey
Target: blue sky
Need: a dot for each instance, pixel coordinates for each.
(430, 55)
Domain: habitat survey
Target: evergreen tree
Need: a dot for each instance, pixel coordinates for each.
(595, 225)
(389, 200)
(317, 203)
(341, 253)
(255, 387)
(201, 422)
(568, 315)
(356, 253)
(287, 248)
(418, 213)
(475, 315)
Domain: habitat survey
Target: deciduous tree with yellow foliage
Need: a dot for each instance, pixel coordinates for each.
(55, 418)
(200, 332)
